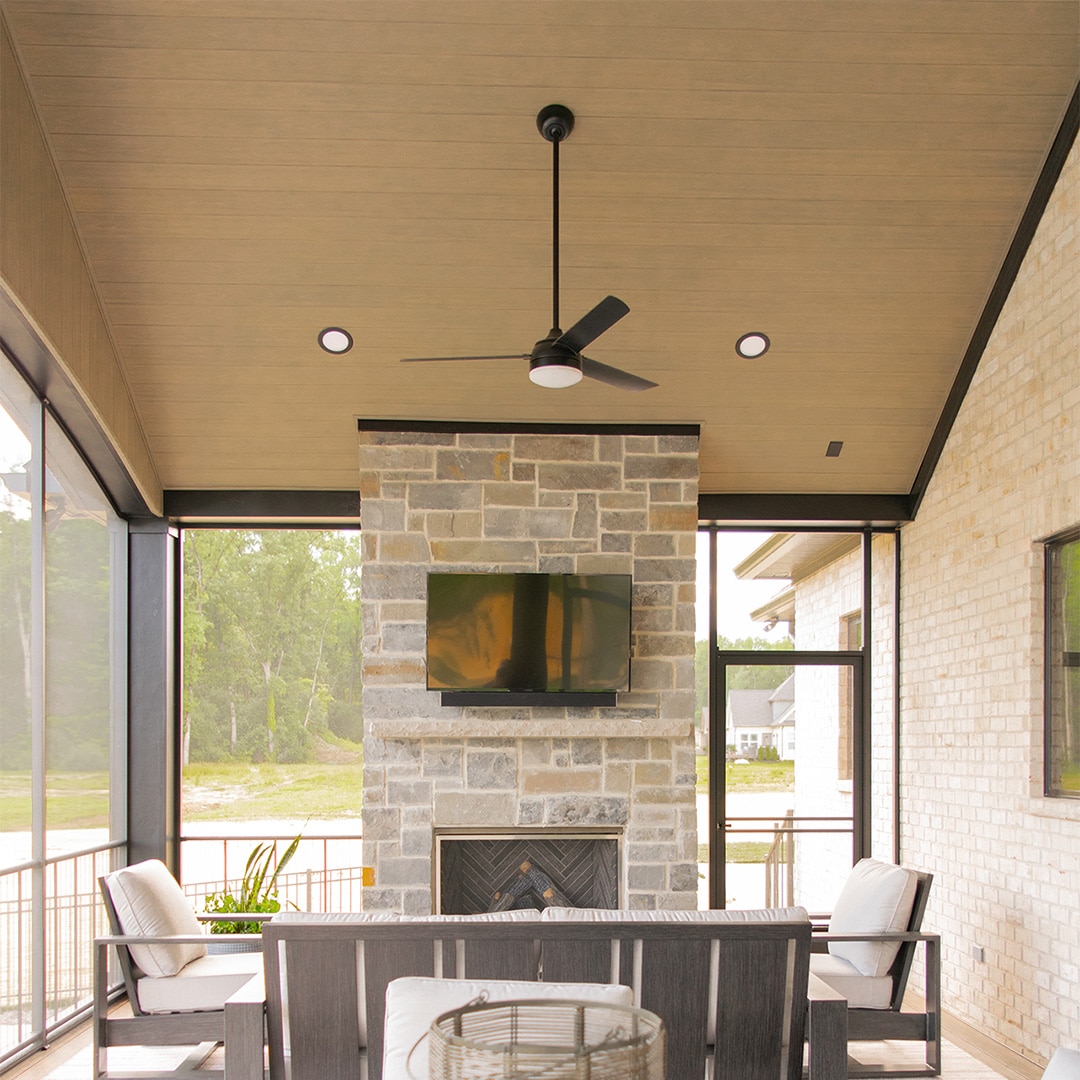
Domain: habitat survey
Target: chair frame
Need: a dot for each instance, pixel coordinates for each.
(240, 1025)
(872, 1025)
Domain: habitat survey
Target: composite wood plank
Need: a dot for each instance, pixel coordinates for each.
(239, 170)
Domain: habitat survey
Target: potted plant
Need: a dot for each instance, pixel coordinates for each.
(257, 890)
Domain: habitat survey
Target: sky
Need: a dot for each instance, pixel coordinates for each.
(735, 599)
(14, 452)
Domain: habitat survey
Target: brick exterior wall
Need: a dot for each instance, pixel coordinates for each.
(556, 503)
(1006, 860)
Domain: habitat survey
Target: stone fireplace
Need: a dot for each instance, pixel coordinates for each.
(565, 500)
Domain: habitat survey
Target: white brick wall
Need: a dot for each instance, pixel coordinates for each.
(1006, 860)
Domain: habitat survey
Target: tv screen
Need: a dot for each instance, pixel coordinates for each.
(528, 632)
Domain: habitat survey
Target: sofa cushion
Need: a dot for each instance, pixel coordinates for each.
(876, 898)
(861, 991)
(149, 902)
(514, 915)
(204, 984)
(412, 1004)
(566, 914)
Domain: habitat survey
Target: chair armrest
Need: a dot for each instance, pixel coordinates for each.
(167, 939)
(253, 992)
(245, 1030)
(817, 989)
(826, 1031)
(883, 935)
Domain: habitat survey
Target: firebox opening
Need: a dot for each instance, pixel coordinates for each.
(499, 871)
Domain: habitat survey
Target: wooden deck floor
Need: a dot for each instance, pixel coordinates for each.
(71, 1059)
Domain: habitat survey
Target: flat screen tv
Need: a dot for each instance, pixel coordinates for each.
(528, 633)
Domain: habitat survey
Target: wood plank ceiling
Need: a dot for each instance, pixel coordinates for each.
(844, 175)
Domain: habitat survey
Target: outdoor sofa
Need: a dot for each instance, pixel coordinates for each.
(733, 988)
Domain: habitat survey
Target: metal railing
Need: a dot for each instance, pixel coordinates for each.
(324, 874)
(780, 862)
(780, 865)
(38, 998)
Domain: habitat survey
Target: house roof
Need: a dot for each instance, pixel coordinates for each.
(749, 708)
(844, 177)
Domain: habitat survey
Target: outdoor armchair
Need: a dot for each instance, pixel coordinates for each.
(180, 994)
(865, 953)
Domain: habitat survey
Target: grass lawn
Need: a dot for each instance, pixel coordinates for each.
(72, 800)
(236, 791)
(743, 851)
(753, 776)
(245, 792)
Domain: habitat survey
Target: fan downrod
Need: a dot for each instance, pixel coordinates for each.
(555, 122)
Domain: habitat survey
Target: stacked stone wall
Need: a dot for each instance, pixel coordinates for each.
(553, 503)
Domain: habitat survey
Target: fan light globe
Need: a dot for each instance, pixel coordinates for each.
(555, 376)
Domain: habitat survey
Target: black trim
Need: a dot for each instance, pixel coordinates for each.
(1025, 232)
(153, 767)
(861, 735)
(1068, 659)
(23, 346)
(469, 427)
(897, 675)
(780, 511)
(244, 505)
(497, 699)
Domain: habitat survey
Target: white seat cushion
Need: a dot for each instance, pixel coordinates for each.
(876, 898)
(861, 991)
(567, 914)
(149, 902)
(204, 984)
(412, 1004)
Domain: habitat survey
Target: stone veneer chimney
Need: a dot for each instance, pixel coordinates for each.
(564, 500)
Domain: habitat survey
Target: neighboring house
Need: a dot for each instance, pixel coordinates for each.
(762, 718)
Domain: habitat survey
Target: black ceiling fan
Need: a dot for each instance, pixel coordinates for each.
(556, 360)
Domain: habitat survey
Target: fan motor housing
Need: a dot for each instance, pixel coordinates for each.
(548, 353)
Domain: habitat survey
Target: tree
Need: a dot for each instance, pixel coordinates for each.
(273, 654)
(740, 676)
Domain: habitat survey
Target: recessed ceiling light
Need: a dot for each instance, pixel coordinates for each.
(751, 346)
(335, 340)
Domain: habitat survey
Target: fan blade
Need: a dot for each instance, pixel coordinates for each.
(589, 327)
(432, 359)
(613, 376)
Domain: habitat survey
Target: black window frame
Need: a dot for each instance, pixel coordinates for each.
(1051, 645)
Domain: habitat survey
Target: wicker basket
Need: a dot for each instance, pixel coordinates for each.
(546, 1040)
